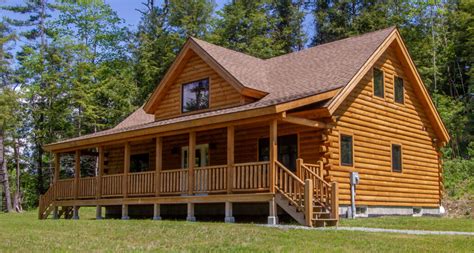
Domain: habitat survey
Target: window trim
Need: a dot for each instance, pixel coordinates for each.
(383, 83)
(401, 157)
(395, 77)
(182, 96)
(340, 150)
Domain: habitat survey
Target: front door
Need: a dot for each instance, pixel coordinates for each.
(287, 150)
(202, 156)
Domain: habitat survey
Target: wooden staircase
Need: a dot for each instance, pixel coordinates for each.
(306, 196)
(46, 204)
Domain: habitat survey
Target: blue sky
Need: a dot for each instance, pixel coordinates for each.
(126, 9)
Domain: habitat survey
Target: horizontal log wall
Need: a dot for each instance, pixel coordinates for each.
(375, 124)
(222, 94)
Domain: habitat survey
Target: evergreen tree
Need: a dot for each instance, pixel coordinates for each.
(35, 76)
(289, 24)
(249, 27)
(161, 33)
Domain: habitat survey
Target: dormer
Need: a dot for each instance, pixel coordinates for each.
(199, 81)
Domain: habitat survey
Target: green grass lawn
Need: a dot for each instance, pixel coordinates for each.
(416, 223)
(24, 233)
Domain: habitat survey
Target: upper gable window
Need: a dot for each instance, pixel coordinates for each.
(378, 83)
(195, 96)
(399, 90)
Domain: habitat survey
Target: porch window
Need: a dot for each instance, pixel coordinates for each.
(396, 158)
(378, 83)
(139, 162)
(346, 150)
(399, 90)
(195, 96)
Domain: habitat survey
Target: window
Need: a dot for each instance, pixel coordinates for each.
(139, 162)
(346, 150)
(399, 90)
(287, 150)
(378, 83)
(195, 96)
(396, 158)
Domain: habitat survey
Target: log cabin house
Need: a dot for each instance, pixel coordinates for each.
(273, 136)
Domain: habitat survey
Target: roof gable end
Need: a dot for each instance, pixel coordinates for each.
(193, 46)
(409, 67)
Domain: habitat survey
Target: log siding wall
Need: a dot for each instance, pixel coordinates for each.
(376, 124)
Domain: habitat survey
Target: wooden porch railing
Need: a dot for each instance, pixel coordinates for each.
(141, 183)
(87, 187)
(210, 179)
(112, 185)
(64, 188)
(251, 176)
(174, 181)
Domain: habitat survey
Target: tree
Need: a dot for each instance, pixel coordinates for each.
(34, 75)
(161, 33)
(101, 75)
(249, 27)
(289, 16)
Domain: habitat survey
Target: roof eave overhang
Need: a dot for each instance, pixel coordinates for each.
(261, 114)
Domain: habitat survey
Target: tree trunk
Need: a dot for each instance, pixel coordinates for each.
(40, 182)
(4, 175)
(18, 198)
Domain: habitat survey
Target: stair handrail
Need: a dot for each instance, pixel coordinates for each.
(45, 200)
(322, 189)
(289, 185)
(326, 193)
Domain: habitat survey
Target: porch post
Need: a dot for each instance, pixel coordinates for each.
(229, 218)
(272, 213)
(191, 162)
(230, 159)
(98, 211)
(77, 173)
(308, 202)
(125, 212)
(299, 171)
(191, 216)
(75, 212)
(156, 212)
(100, 172)
(273, 150)
(334, 201)
(57, 167)
(126, 168)
(158, 164)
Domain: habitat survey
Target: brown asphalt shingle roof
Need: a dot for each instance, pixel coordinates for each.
(285, 78)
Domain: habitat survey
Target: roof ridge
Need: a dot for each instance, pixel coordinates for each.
(332, 43)
(228, 49)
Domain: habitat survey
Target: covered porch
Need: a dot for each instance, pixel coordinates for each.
(245, 161)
